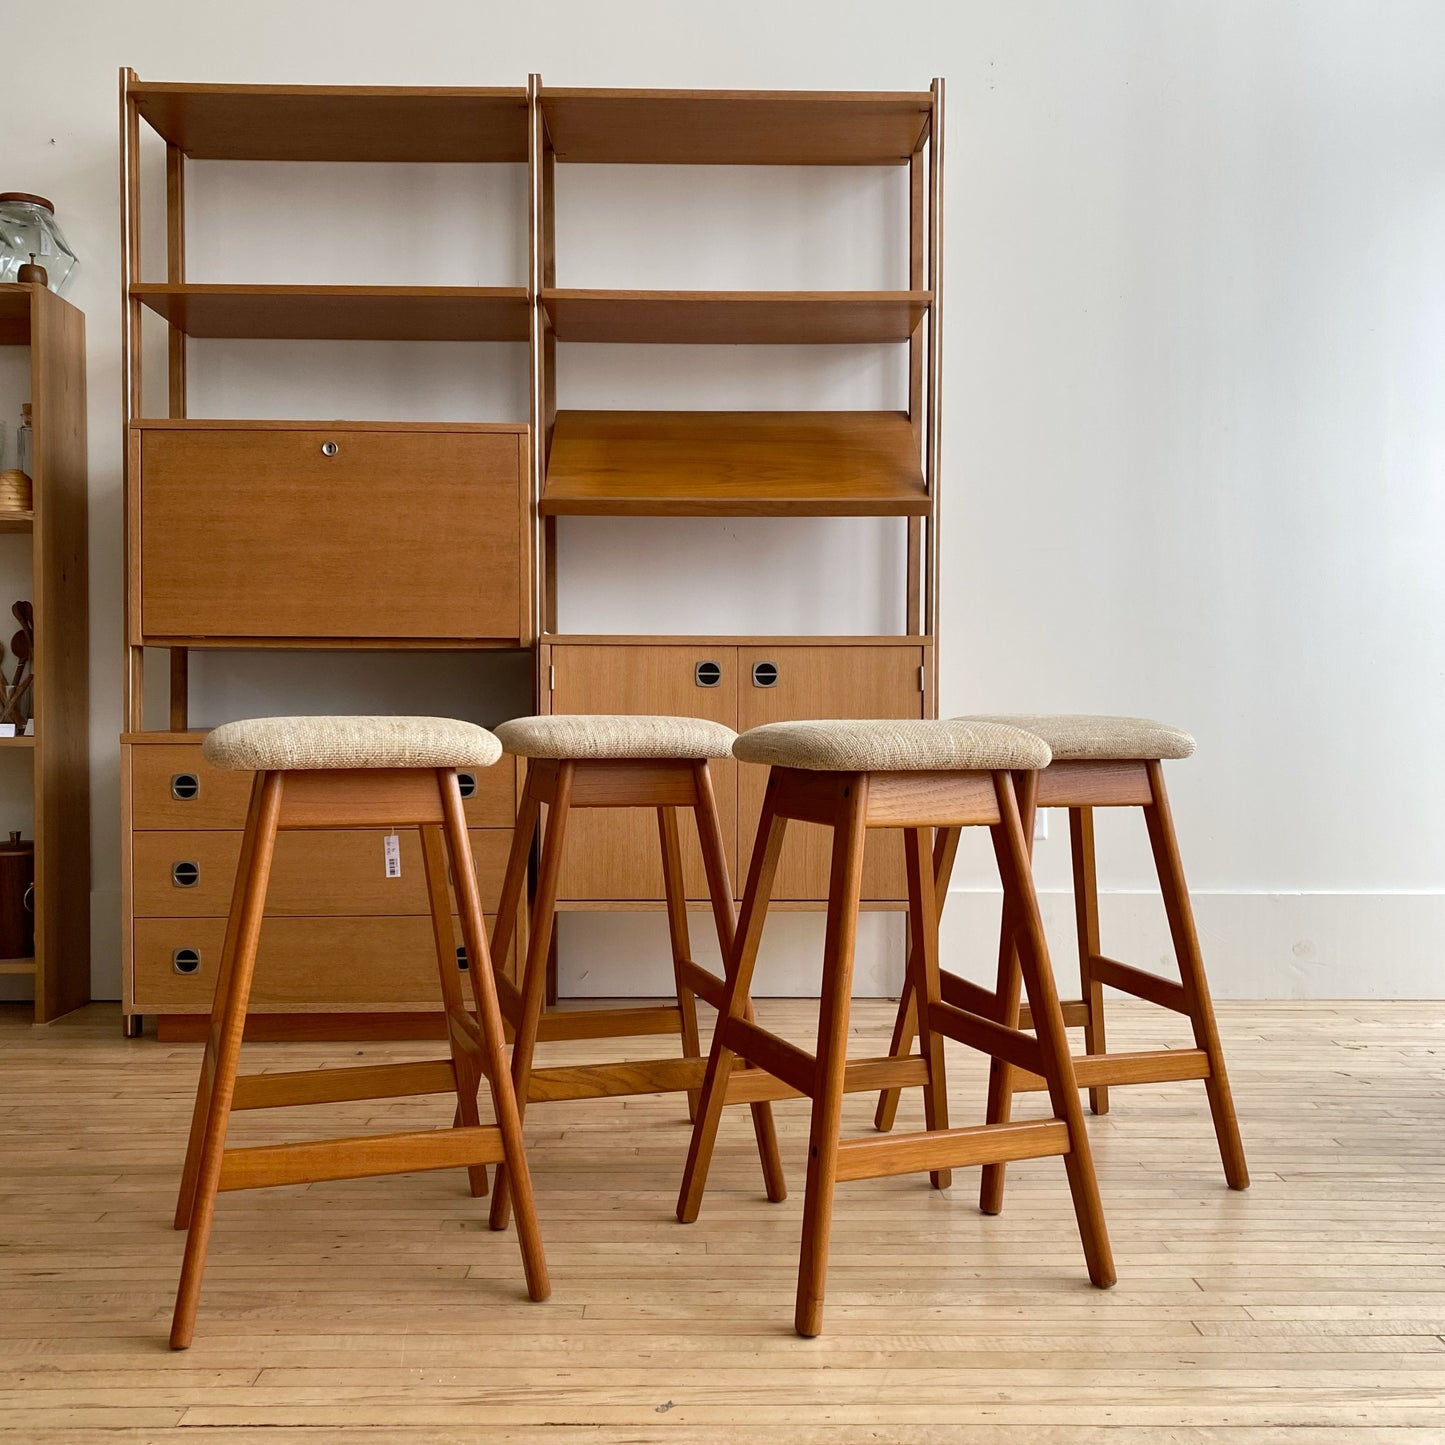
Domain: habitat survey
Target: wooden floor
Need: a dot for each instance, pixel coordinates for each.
(384, 1310)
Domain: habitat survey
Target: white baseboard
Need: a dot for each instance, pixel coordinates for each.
(1256, 945)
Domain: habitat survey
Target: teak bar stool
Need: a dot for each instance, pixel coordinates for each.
(916, 776)
(624, 761)
(352, 772)
(1101, 762)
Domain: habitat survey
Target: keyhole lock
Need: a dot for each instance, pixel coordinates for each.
(329, 449)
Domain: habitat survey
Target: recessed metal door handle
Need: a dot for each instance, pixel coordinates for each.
(765, 674)
(186, 960)
(184, 786)
(707, 674)
(185, 874)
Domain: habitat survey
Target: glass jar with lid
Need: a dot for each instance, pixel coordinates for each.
(28, 230)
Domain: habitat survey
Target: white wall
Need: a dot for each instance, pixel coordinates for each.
(1195, 362)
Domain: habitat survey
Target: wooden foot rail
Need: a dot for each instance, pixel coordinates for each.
(874, 1155)
(1148, 1066)
(339, 1086)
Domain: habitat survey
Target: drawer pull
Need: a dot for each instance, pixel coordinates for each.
(185, 786)
(462, 962)
(185, 874)
(186, 960)
(707, 674)
(467, 784)
(329, 449)
(765, 674)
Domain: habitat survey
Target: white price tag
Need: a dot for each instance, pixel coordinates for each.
(391, 847)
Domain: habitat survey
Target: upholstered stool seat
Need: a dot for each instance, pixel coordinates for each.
(611, 762)
(294, 744)
(1098, 762)
(888, 745)
(1074, 737)
(605, 735)
(354, 772)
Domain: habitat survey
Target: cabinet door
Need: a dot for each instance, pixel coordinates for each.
(333, 532)
(614, 853)
(781, 684)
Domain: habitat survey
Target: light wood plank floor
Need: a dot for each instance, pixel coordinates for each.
(1311, 1308)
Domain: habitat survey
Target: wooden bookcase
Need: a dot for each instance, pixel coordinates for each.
(59, 750)
(567, 462)
(262, 534)
(723, 464)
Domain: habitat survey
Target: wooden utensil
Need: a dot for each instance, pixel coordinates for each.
(10, 712)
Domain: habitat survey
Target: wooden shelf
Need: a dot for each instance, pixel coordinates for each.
(733, 464)
(342, 313)
(17, 965)
(336, 122)
(16, 521)
(729, 318)
(737, 127)
(20, 742)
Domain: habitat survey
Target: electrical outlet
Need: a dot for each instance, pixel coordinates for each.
(1041, 825)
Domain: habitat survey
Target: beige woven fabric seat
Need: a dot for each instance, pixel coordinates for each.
(891, 745)
(282, 744)
(1074, 737)
(575, 736)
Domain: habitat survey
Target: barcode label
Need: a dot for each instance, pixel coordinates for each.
(391, 847)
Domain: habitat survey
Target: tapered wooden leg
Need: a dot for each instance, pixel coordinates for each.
(674, 890)
(1007, 994)
(186, 1196)
(514, 880)
(924, 985)
(228, 1053)
(743, 959)
(1011, 850)
(905, 1026)
(719, 882)
(464, 1059)
(1162, 840)
(534, 977)
(845, 885)
(489, 1018)
(1086, 926)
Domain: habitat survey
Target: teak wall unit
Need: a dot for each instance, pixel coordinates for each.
(215, 555)
(54, 331)
(261, 534)
(738, 463)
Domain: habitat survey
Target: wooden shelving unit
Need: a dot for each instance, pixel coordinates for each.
(329, 534)
(59, 749)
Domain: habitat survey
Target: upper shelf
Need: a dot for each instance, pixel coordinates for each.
(337, 122)
(733, 464)
(342, 313)
(736, 317)
(737, 127)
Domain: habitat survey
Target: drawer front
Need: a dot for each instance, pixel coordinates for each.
(191, 874)
(304, 965)
(173, 787)
(258, 533)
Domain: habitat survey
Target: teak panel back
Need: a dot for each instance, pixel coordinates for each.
(613, 854)
(823, 682)
(339, 872)
(221, 796)
(259, 533)
(305, 965)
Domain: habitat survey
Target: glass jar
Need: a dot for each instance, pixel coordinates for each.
(28, 230)
(25, 443)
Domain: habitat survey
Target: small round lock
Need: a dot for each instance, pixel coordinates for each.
(184, 786)
(329, 449)
(185, 874)
(467, 784)
(186, 960)
(707, 674)
(765, 674)
(462, 961)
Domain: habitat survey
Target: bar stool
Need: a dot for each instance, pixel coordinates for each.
(352, 772)
(625, 761)
(915, 776)
(1101, 762)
